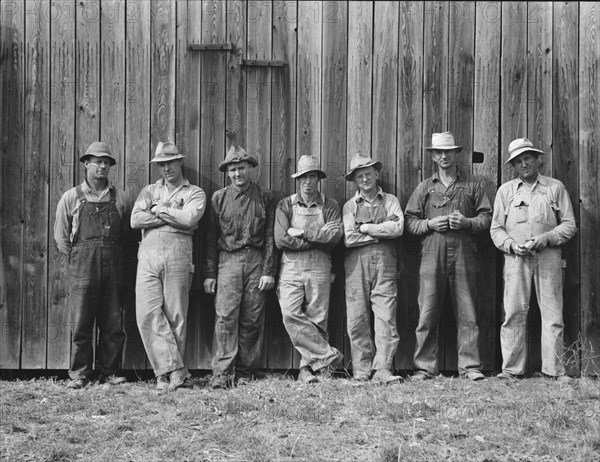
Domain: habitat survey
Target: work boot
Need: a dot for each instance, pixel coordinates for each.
(420, 376)
(306, 376)
(220, 381)
(162, 382)
(77, 384)
(386, 376)
(474, 375)
(112, 379)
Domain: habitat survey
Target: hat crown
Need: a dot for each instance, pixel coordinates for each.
(98, 148)
(519, 143)
(166, 152)
(359, 159)
(443, 140)
(308, 163)
(237, 154)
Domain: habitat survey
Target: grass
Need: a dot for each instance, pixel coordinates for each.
(277, 419)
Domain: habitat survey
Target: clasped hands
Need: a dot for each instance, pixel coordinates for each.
(455, 220)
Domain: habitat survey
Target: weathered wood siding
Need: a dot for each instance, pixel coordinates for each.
(377, 77)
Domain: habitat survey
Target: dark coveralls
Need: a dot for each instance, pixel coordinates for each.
(448, 259)
(96, 281)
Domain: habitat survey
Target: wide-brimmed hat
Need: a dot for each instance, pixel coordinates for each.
(166, 152)
(98, 149)
(360, 160)
(237, 154)
(520, 146)
(443, 142)
(307, 164)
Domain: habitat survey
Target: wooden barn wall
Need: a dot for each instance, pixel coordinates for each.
(376, 77)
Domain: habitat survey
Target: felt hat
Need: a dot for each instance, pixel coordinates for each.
(520, 146)
(237, 154)
(166, 152)
(360, 160)
(443, 142)
(307, 164)
(98, 149)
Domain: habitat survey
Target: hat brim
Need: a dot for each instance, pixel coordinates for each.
(223, 165)
(167, 158)
(350, 175)
(444, 148)
(518, 152)
(321, 173)
(111, 159)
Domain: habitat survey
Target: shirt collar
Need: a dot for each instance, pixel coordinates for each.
(86, 188)
(246, 192)
(298, 200)
(541, 179)
(359, 198)
(459, 176)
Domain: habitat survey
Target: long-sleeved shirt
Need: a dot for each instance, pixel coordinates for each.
(520, 214)
(178, 211)
(390, 227)
(240, 219)
(431, 198)
(67, 213)
(311, 238)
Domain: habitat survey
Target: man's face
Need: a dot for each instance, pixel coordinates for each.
(444, 158)
(97, 168)
(527, 166)
(171, 171)
(239, 174)
(309, 183)
(366, 179)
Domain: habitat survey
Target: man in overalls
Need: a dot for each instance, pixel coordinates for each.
(533, 217)
(308, 226)
(240, 266)
(89, 229)
(448, 209)
(167, 212)
(372, 220)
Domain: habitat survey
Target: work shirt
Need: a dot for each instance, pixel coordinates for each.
(520, 214)
(382, 205)
(69, 206)
(178, 211)
(312, 238)
(238, 220)
(432, 198)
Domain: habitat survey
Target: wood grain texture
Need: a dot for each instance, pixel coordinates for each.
(36, 181)
(408, 171)
(589, 169)
(62, 171)
(486, 141)
(12, 144)
(565, 153)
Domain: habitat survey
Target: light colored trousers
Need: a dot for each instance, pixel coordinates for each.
(164, 275)
(303, 291)
(371, 287)
(545, 271)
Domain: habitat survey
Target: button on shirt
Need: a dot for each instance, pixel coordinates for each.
(178, 211)
(520, 214)
(390, 228)
(312, 238)
(240, 219)
(69, 206)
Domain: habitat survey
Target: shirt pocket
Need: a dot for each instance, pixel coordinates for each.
(546, 211)
(520, 212)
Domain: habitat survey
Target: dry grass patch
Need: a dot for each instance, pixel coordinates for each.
(278, 419)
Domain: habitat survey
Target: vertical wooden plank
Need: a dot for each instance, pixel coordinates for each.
(283, 159)
(37, 144)
(435, 76)
(333, 150)
(408, 168)
(539, 79)
(513, 108)
(461, 75)
(112, 84)
(236, 78)
(360, 45)
(565, 162)
(283, 102)
(485, 140)
(63, 165)
(589, 142)
(212, 125)
(258, 89)
(187, 118)
(137, 149)
(162, 96)
(87, 88)
(385, 90)
(12, 52)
